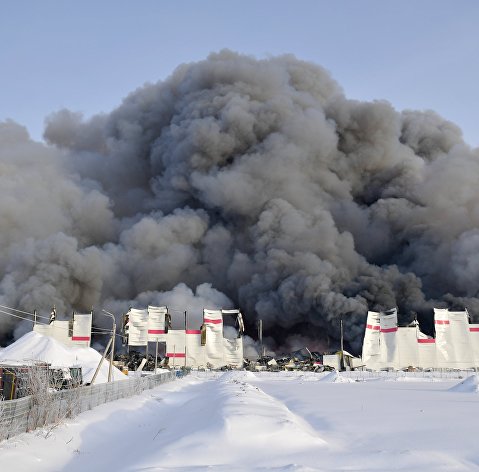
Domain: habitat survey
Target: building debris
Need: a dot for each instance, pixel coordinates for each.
(301, 360)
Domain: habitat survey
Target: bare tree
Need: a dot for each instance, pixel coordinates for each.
(3, 419)
(51, 404)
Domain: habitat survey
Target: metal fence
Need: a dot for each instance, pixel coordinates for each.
(437, 374)
(49, 409)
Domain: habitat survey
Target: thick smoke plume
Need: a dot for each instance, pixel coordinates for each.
(258, 178)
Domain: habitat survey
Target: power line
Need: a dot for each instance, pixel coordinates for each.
(97, 331)
(19, 311)
(57, 327)
(25, 312)
(15, 316)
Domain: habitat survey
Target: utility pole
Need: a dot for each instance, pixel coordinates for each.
(342, 335)
(101, 362)
(260, 337)
(186, 337)
(113, 335)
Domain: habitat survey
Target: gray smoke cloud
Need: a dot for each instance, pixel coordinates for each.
(257, 177)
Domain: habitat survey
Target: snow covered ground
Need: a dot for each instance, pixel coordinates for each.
(267, 421)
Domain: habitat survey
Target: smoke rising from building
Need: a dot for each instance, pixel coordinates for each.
(257, 177)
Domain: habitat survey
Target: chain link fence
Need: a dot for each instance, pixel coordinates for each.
(50, 408)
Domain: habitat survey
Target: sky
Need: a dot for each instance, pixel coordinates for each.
(87, 56)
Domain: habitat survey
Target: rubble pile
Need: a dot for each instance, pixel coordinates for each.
(302, 359)
(133, 359)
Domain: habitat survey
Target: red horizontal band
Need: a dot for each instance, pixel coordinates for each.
(175, 354)
(81, 338)
(193, 331)
(156, 331)
(389, 330)
(213, 321)
(426, 341)
(375, 328)
(441, 322)
(474, 330)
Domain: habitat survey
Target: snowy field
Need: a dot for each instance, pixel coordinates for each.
(267, 421)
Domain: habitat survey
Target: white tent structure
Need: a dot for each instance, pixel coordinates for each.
(387, 346)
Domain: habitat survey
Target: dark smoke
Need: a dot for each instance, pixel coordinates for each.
(258, 177)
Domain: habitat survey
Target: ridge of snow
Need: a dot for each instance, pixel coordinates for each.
(468, 385)
(335, 377)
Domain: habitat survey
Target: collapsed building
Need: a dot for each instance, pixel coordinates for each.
(73, 332)
(204, 347)
(388, 346)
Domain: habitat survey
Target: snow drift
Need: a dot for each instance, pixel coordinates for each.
(256, 183)
(469, 385)
(335, 377)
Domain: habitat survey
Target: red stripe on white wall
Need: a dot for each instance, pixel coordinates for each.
(207, 320)
(193, 331)
(81, 338)
(441, 322)
(375, 328)
(156, 331)
(474, 330)
(389, 330)
(426, 341)
(175, 354)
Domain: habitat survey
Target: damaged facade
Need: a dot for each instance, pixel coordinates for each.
(387, 346)
(73, 332)
(203, 347)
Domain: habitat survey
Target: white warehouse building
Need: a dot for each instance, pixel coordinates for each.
(387, 346)
(206, 347)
